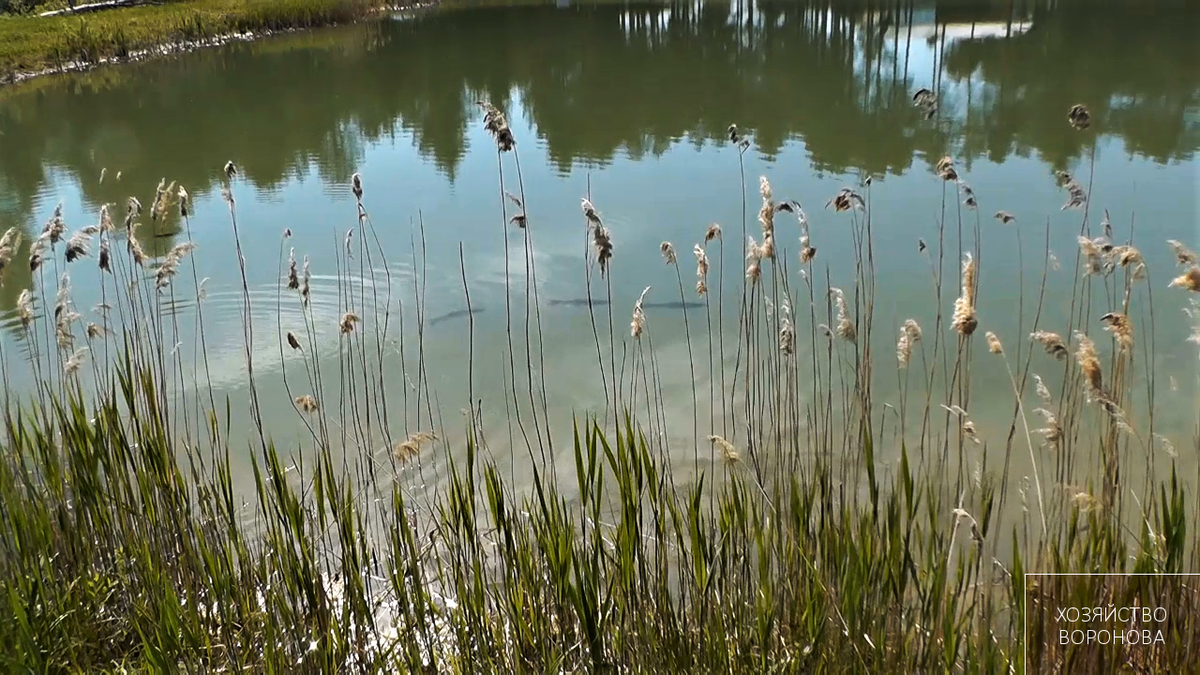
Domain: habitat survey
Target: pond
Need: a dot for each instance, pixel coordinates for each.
(631, 104)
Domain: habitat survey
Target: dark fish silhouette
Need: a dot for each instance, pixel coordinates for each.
(456, 314)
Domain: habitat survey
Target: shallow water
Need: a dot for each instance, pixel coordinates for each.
(631, 103)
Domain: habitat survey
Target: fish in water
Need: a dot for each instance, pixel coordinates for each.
(584, 302)
(456, 314)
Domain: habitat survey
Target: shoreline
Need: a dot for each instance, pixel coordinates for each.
(171, 44)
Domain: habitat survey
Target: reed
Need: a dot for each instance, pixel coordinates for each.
(835, 533)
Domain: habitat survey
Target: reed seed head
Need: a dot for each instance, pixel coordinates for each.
(410, 447)
(668, 252)
(293, 282)
(293, 341)
(94, 331)
(993, 343)
(787, 336)
(75, 362)
(753, 261)
(346, 325)
(1183, 254)
(1079, 117)
(304, 288)
(307, 403)
(230, 170)
(1051, 342)
(701, 269)
(638, 323)
(1121, 328)
(25, 307)
(1089, 363)
(1042, 391)
(1189, 280)
(356, 186)
(1005, 217)
(964, 321)
(729, 453)
(714, 232)
(845, 327)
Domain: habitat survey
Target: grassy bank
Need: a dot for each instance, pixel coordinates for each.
(30, 44)
(815, 538)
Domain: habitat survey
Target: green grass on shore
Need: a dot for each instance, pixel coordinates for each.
(33, 44)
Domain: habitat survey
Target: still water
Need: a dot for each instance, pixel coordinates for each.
(631, 103)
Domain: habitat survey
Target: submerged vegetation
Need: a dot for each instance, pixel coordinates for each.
(31, 44)
(817, 528)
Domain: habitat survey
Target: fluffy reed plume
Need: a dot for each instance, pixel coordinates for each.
(63, 315)
(1005, 217)
(346, 325)
(1189, 280)
(1076, 197)
(945, 169)
(25, 307)
(104, 257)
(910, 335)
(1092, 256)
(356, 186)
(77, 245)
(714, 232)
(701, 270)
(787, 334)
(162, 200)
(1121, 328)
(1089, 363)
(964, 321)
(1183, 254)
(754, 257)
(411, 446)
(307, 403)
(185, 202)
(1052, 343)
(601, 237)
(133, 209)
(37, 253)
(638, 323)
(166, 271)
(1042, 391)
(293, 341)
(927, 101)
(1079, 117)
(55, 227)
(1052, 432)
(993, 343)
(736, 138)
(845, 327)
(94, 331)
(293, 282)
(845, 200)
(728, 453)
(75, 362)
(668, 252)
(497, 125)
(807, 251)
(961, 515)
(8, 246)
(766, 218)
(304, 287)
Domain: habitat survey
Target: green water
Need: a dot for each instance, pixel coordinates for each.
(633, 101)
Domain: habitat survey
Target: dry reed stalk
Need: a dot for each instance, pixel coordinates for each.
(411, 447)
(1189, 280)
(307, 403)
(1121, 328)
(964, 321)
(1052, 343)
(638, 323)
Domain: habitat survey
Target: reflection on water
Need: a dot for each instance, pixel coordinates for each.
(634, 100)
